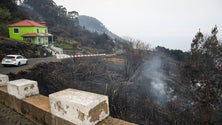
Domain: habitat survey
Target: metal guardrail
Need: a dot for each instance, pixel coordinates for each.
(64, 56)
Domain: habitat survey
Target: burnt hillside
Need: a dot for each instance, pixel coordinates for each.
(154, 94)
(9, 46)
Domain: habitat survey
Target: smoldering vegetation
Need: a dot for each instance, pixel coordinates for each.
(152, 95)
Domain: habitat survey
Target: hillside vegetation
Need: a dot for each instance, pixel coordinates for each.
(65, 26)
(62, 24)
(147, 87)
(8, 46)
(10, 13)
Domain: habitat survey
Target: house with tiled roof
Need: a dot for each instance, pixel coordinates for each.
(31, 31)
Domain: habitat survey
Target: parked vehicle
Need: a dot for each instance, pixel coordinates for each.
(15, 60)
(78, 54)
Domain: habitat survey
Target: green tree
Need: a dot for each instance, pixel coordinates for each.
(73, 14)
(62, 12)
(53, 13)
(178, 55)
(201, 69)
(5, 16)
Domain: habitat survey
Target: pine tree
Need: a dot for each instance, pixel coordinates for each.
(202, 69)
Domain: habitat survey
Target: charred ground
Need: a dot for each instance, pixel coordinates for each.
(9, 46)
(136, 99)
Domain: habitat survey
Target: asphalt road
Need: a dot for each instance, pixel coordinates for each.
(31, 62)
(7, 115)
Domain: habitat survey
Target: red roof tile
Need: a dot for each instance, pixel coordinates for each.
(27, 23)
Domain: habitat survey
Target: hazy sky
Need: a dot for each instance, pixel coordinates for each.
(168, 23)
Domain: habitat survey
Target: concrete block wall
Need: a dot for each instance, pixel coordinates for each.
(82, 108)
(22, 88)
(3, 80)
(79, 107)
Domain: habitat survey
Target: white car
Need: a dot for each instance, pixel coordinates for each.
(15, 60)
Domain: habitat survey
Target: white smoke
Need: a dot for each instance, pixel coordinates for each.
(153, 70)
(154, 75)
(158, 87)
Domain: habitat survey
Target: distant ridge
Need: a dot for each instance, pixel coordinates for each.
(94, 25)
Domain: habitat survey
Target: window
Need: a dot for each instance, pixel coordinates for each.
(45, 30)
(16, 30)
(19, 57)
(37, 30)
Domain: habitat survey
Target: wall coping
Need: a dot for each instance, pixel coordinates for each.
(37, 109)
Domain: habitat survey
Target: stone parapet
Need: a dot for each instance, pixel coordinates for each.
(79, 107)
(22, 88)
(90, 108)
(3, 80)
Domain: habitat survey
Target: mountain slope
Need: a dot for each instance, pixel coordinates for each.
(65, 27)
(94, 25)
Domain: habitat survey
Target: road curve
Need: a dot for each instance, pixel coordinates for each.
(31, 62)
